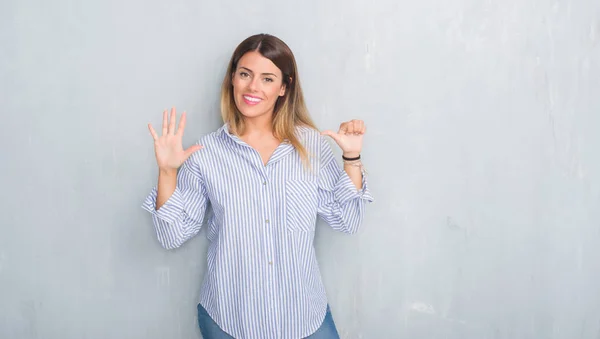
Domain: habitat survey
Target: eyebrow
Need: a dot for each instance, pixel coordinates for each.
(249, 70)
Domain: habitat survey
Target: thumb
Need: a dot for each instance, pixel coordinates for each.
(331, 134)
(188, 152)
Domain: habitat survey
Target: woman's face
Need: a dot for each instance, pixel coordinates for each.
(257, 83)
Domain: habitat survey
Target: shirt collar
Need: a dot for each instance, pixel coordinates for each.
(224, 132)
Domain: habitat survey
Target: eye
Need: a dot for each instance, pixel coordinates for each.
(244, 74)
(268, 80)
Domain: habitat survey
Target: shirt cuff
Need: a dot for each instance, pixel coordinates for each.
(345, 190)
(170, 210)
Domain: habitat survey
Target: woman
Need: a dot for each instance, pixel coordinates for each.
(267, 173)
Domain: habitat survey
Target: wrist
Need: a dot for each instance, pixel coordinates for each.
(351, 154)
(167, 172)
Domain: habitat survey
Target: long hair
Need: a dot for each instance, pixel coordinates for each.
(290, 109)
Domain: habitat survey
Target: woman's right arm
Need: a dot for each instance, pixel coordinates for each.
(167, 181)
(178, 202)
(178, 206)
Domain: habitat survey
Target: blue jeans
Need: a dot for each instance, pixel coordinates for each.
(210, 330)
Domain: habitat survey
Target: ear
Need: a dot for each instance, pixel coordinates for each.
(282, 90)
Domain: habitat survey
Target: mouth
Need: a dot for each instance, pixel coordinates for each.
(251, 100)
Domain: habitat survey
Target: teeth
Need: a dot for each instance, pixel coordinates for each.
(251, 99)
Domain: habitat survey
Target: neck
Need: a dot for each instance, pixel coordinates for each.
(259, 126)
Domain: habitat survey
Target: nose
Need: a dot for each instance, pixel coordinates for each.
(253, 86)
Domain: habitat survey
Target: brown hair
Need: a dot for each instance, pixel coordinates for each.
(290, 110)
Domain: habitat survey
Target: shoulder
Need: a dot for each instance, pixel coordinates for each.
(212, 145)
(313, 135)
(310, 137)
(214, 137)
(316, 144)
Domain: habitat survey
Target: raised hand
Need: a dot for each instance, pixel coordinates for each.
(349, 137)
(168, 147)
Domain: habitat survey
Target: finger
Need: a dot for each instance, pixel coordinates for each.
(152, 132)
(357, 127)
(165, 123)
(350, 127)
(343, 128)
(181, 124)
(333, 135)
(188, 152)
(172, 122)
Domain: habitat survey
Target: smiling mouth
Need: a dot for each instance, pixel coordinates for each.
(251, 100)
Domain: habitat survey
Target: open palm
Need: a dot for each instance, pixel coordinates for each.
(168, 147)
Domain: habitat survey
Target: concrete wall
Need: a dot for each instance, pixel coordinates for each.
(482, 148)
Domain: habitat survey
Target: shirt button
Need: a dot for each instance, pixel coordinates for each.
(270, 263)
(265, 183)
(267, 221)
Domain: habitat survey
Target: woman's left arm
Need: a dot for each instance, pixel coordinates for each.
(350, 139)
(343, 195)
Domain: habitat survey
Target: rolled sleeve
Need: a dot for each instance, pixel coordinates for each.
(170, 210)
(345, 189)
(340, 204)
(181, 216)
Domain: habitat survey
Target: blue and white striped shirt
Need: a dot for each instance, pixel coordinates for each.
(262, 279)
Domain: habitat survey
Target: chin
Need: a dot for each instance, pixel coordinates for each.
(250, 113)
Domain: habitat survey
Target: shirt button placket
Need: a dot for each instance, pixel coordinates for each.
(270, 233)
(267, 221)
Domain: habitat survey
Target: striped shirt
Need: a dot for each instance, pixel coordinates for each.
(262, 279)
